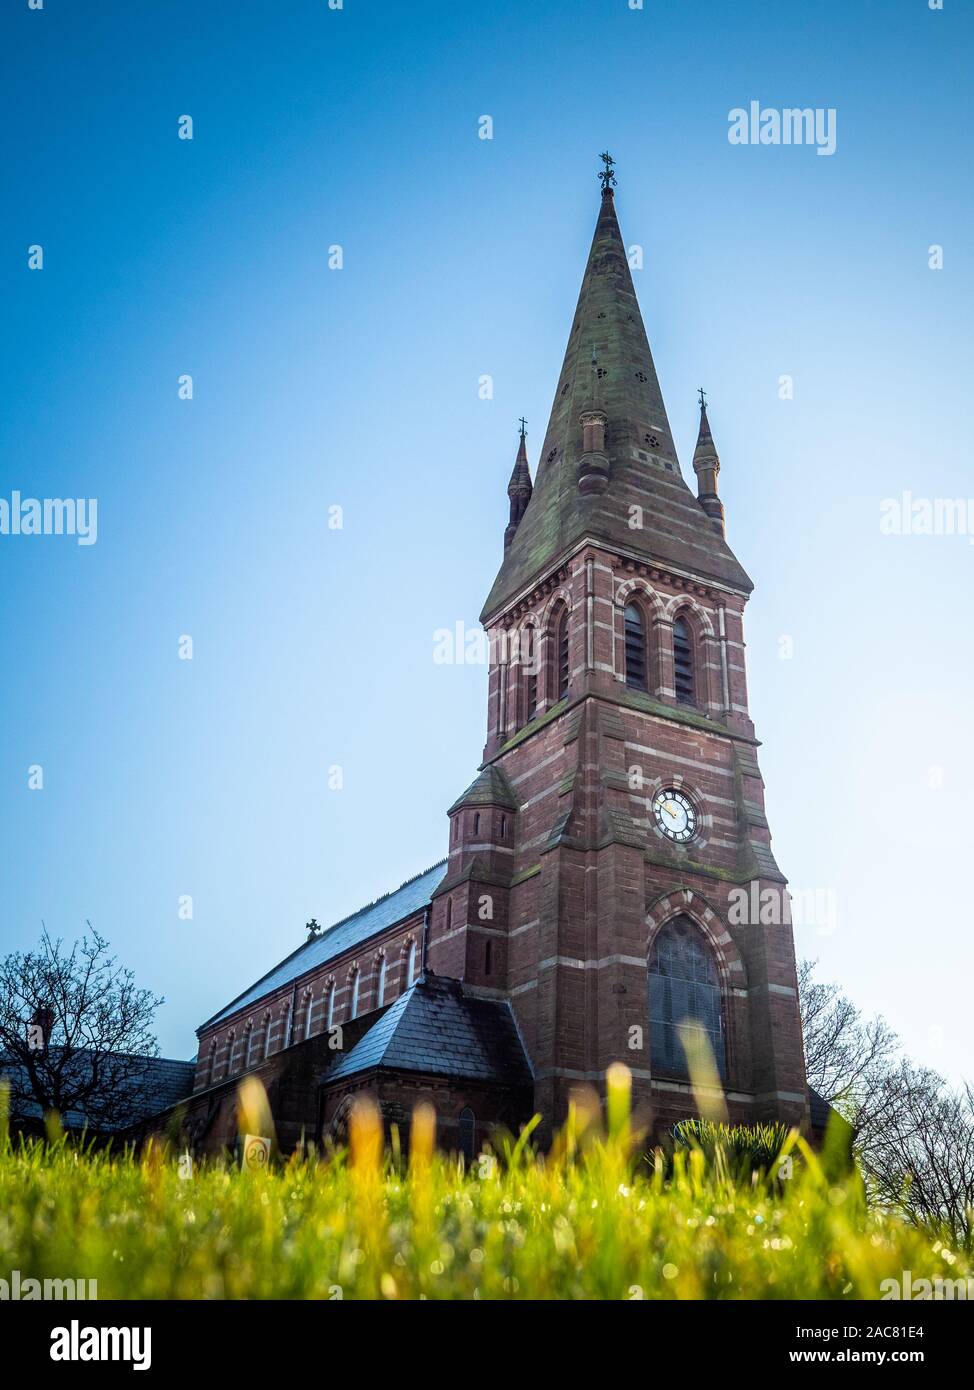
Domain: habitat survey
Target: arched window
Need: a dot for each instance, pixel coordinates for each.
(355, 984)
(265, 1024)
(684, 999)
(476, 822)
(230, 1045)
(381, 988)
(411, 964)
(683, 661)
(249, 1051)
(468, 1133)
(331, 1007)
(449, 913)
(528, 658)
(564, 670)
(635, 648)
(309, 1001)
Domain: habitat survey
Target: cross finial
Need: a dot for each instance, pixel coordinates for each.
(607, 176)
(524, 426)
(703, 398)
(312, 928)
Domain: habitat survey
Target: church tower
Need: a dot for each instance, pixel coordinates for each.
(605, 864)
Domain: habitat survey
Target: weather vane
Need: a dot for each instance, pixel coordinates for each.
(524, 426)
(703, 398)
(607, 175)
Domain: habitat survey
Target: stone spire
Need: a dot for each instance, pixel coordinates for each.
(706, 465)
(519, 489)
(594, 475)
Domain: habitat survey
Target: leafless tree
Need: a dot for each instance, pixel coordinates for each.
(913, 1134)
(75, 1031)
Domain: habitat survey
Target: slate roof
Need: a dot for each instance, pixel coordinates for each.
(411, 897)
(438, 1029)
(164, 1083)
(819, 1110)
(623, 383)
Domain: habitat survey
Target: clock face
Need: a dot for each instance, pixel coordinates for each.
(675, 815)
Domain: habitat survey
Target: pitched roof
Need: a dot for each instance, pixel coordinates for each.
(438, 1029)
(608, 365)
(163, 1082)
(489, 788)
(409, 898)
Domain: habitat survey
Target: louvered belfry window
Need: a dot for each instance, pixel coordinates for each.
(684, 999)
(683, 661)
(635, 648)
(564, 671)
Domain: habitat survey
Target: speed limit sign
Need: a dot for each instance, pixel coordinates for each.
(256, 1153)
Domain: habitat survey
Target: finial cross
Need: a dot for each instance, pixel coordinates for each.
(607, 176)
(524, 426)
(703, 398)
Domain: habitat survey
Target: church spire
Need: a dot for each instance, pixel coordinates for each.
(706, 465)
(519, 489)
(596, 475)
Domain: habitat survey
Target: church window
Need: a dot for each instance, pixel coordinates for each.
(564, 672)
(684, 999)
(476, 822)
(411, 964)
(331, 1006)
(249, 1054)
(308, 1006)
(467, 1129)
(503, 826)
(449, 913)
(355, 992)
(266, 1025)
(683, 661)
(530, 695)
(381, 996)
(488, 957)
(635, 648)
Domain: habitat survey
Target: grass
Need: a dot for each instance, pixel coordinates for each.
(591, 1221)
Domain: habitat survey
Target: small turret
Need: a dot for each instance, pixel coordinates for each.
(706, 465)
(519, 489)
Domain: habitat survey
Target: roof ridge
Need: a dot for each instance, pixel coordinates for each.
(367, 907)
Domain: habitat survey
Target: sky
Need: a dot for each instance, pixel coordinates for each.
(316, 387)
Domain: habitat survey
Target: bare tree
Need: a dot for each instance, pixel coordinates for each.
(913, 1135)
(847, 1060)
(75, 1031)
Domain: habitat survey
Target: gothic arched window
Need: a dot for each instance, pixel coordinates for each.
(411, 964)
(683, 661)
(331, 1007)
(249, 1053)
(684, 999)
(381, 996)
(635, 648)
(468, 1128)
(563, 670)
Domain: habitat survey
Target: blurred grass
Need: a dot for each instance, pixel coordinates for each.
(595, 1219)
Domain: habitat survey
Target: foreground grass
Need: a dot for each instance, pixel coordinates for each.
(580, 1225)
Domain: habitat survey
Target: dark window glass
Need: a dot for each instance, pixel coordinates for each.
(635, 648)
(530, 696)
(563, 668)
(684, 999)
(683, 661)
(467, 1133)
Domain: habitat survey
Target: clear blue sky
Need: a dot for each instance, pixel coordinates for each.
(462, 257)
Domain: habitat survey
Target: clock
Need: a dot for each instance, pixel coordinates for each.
(675, 815)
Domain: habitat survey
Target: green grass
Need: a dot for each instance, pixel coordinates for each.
(590, 1221)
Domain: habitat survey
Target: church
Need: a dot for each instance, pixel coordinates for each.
(581, 915)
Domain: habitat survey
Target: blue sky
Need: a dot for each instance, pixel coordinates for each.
(359, 388)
